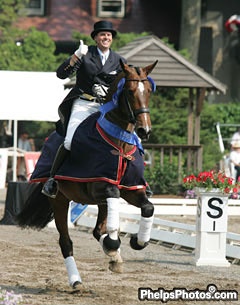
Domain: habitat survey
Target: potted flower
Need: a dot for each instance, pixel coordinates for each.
(211, 181)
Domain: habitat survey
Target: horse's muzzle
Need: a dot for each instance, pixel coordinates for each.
(143, 133)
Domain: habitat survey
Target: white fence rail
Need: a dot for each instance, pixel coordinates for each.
(175, 233)
(183, 206)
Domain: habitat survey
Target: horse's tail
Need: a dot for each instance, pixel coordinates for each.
(37, 211)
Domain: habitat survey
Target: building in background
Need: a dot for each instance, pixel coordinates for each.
(219, 51)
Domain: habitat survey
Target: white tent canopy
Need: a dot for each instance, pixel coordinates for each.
(29, 96)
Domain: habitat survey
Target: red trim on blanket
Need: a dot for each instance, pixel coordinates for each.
(95, 179)
(75, 179)
(124, 187)
(122, 165)
(105, 137)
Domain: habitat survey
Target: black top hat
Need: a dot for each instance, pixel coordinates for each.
(103, 26)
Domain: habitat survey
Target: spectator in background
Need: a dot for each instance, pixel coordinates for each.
(235, 160)
(26, 144)
(235, 137)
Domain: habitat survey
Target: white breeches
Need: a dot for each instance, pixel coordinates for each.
(81, 109)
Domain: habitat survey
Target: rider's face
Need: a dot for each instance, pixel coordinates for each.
(103, 40)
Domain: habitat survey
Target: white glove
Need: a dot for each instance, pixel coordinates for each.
(100, 90)
(82, 50)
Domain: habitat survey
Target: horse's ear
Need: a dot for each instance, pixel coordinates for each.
(148, 69)
(122, 64)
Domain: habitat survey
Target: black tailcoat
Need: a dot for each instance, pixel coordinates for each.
(89, 71)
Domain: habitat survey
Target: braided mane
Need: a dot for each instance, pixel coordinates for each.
(113, 87)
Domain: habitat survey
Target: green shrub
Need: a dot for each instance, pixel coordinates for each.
(163, 180)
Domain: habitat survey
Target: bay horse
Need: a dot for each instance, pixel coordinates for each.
(123, 119)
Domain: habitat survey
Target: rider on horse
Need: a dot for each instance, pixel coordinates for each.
(106, 164)
(233, 24)
(96, 67)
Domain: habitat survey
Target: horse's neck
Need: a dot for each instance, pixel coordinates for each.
(117, 118)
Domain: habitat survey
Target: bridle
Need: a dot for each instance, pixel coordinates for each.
(125, 103)
(134, 113)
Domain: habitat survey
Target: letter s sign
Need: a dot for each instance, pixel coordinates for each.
(218, 210)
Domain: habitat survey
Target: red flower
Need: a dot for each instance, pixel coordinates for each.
(235, 190)
(210, 180)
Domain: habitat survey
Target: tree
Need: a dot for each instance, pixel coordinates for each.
(121, 39)
(169, 116)
(190, 27)
(30, 50)
(9, 13)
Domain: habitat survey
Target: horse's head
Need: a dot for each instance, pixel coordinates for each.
(135, 98)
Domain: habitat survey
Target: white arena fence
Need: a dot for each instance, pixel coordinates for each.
(174, 234)
(182, 206)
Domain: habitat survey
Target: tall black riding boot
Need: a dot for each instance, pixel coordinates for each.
(149, 192)
(50, 188)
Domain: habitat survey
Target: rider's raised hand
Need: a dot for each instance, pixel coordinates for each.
(82, 50)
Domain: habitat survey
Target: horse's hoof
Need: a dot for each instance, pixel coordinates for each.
(116, 267)
(110, 246)
(76, 284)
(134, 243)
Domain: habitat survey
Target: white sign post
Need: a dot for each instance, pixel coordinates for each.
(211, 229)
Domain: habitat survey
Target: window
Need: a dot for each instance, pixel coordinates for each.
(35, 8)
(111, 8)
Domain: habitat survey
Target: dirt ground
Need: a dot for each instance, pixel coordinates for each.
(31, 265)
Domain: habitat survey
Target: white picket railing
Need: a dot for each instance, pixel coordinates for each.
(183, 206)
(163, 231)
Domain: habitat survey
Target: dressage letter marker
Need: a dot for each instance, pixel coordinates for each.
(211, 230)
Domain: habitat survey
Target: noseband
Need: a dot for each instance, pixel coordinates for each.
(134, 113)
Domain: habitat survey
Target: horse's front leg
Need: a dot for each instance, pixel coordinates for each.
(110, 241)
(100, 229)
(139, 199)
(60, 208)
